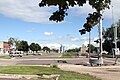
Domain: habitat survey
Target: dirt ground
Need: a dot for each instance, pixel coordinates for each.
(102, 72)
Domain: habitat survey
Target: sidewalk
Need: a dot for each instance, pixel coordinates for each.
(103, 72)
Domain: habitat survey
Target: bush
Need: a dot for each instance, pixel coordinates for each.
(54, 66)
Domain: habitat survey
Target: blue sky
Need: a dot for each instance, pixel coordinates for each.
(24, 20)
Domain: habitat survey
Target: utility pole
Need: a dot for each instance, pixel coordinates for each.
(115, 40)
(100, 37)
(89, 45)
(113, 30)
(115, 35)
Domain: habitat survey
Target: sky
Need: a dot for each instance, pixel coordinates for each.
(25, 20)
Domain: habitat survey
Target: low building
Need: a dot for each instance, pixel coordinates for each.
(4, 47)
(83, 49)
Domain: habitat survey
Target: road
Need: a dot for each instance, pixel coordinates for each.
(44, 55)
(48, 59)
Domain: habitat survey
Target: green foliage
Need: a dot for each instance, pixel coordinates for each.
(23, 46)
(55, 50)
(35, 47)
(54, 66)
(32, 46)
(64, 5)
(14, 42)
(11, 41)
(92, 20)
(46, 49)
(108, 45)
(92, 48)
(109, 38)
(38, 47)
(5, 57)
(39, 70)
(109, 33)
(73, 50)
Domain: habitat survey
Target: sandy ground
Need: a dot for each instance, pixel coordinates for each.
(102, 72)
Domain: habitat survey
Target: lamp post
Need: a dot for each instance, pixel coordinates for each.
(115, 35)
(89, 45)
(115, 40)
(100, 37)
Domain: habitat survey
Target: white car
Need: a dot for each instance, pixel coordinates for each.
(15, 54)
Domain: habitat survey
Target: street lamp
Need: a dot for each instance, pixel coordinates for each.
(89, 45)
(100, 36)
(115, 35)
(115, 40)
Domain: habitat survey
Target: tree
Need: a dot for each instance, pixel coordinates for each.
(73, 50)
(92, 48)
(108, 45)
(109, 38)
(55, 50)
(109, 33)
(38, 48)
(14, 42)
(46, 49)
(11, 41)
(64, 5)
(23, 46)
(34, 47)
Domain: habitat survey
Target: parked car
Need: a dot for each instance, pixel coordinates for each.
(15, 54)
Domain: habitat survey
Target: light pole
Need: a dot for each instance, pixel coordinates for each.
(100, 37)
(61, 47)
(115, 40)
(89, 45)
(115, 35)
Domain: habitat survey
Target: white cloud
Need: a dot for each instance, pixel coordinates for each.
(53, 46)
(116, 11)
(57, 46)
(83, 11)
(27, 10)
(79, 11)
(72, 46)
(48, 33)
(86, 42)
(60, 37)
(63, 39)
(74, 39)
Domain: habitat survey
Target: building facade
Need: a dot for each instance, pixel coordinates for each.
(4, 47)
(83, 49)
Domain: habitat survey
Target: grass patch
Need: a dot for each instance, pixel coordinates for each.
(67, 55)
(39, 70)
(5, 57)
